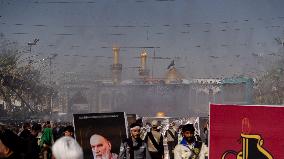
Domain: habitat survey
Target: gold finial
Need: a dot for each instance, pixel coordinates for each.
(144, 53)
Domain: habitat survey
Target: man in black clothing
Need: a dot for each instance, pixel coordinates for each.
(57, 131)
(172, 139)
(154, 141)
(33, 148)
(26, 131)
(134, 147)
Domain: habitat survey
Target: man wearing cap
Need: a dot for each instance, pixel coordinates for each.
(134, 147)
(154, 141)
(189, 148)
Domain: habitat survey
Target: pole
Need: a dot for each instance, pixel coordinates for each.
(153, 63)
(50, 82)
(50, 106)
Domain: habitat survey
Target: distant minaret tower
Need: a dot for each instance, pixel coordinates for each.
(116, 67)
(143, 71)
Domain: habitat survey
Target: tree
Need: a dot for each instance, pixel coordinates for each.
(269, 88)
(20, 82)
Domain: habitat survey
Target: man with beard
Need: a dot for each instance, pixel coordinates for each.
(101, 147)
(189, 147)
(134, 147)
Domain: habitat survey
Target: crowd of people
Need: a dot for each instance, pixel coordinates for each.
(38, 141)
(181, 142)
(56, 141)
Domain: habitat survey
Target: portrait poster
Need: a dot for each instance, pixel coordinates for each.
(112, 126)
(247, 132)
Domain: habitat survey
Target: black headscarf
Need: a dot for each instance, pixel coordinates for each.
(11, 140)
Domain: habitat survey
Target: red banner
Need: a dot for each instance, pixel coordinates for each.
(246, 132)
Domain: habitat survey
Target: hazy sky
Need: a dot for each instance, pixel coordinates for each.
(206, 38)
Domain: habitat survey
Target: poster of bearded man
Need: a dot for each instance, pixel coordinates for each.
(100, 134)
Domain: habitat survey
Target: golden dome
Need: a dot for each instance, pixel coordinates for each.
(160, 114)
(173, 76)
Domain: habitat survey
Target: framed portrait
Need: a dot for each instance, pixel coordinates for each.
(100, 134)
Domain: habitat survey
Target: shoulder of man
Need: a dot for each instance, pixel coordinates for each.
(180, 146)
(180, 149)
(198, 144)
(156, 133)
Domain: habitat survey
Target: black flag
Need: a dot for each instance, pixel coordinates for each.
(171, 64)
